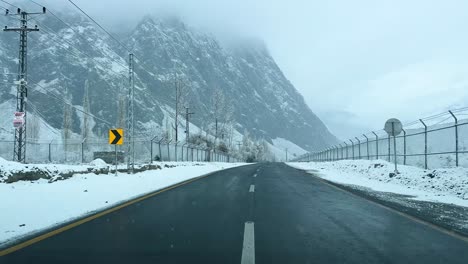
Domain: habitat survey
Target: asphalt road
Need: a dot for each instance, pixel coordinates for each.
(266, 213)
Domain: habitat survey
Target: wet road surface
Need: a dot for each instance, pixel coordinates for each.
(261, 213)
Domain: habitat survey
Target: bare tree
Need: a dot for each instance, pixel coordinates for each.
(181, 99)
(85, 128)
(222, 114)
(67, 122)
(33, 127)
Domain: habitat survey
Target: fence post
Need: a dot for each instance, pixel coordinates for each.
(359, 147)
(168, 152)
(425, 143)
(346, 144)
(183, 151)
(404, 146)
(389, 154)
(352, 147)
(367, 146)
(456, 137)
(376, 145)
(82, 152)
(151, 152)
(159, 148)
(50, 155)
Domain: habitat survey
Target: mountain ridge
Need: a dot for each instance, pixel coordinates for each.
(265, 103)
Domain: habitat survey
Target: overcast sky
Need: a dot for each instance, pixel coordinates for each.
(356, 63)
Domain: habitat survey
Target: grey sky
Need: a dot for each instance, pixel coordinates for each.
(357, 63)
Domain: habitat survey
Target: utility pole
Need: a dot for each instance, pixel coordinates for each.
(187, 123)
(176, 125)
(130, 116)
(19, 152)
(216, 130)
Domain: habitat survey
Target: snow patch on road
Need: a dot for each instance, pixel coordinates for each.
(446, 185)
(31, 206)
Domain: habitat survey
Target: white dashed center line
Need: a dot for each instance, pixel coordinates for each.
(248, 248)
(252, 188)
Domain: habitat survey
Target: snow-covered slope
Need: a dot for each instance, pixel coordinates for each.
(61, 59)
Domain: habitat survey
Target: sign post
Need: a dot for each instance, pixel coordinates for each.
(393, 127)
(116, 138)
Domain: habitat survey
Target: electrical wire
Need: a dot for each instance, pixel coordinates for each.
(77, 51)
(8, 3)
(136, 58)
(67, 103)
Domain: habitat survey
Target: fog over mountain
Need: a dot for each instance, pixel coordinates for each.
(64, 61)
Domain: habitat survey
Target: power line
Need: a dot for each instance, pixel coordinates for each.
(9, 3)
(78, 34)
(81, 53)
(107, 32)
(114, 38)
(94, 21)
(65, 102)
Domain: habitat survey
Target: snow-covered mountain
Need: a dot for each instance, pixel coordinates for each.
(62, 59)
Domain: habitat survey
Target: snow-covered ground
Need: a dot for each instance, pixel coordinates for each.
(446, 185)
(28, 207)
(279, 149)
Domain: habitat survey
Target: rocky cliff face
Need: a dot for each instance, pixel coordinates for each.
(62, 59)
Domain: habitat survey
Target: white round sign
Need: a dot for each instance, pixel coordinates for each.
(393, 127)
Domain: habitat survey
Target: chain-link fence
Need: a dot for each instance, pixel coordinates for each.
(85, 152)
(434, 142)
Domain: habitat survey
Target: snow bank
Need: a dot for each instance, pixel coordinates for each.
(447, 185)
(32, 206)
(98, 162)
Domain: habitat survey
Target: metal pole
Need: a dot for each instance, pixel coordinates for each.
(394, 147)
(19, 151)
(151, 152)
(130, 116)
(359, 147)
(116, 160)
(367, 146)
(82, 152)
(50, 154)
(425, 143)
(183, 151)
(389, 159)
(456, 138)
(404, 146)
(159, 148)
(346, 149)
(341, 149)
(376, 145)
(175, 151)
(352, 147)
(168, 152)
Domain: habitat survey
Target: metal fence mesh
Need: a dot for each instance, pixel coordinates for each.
(444, 143)
(78, 152)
